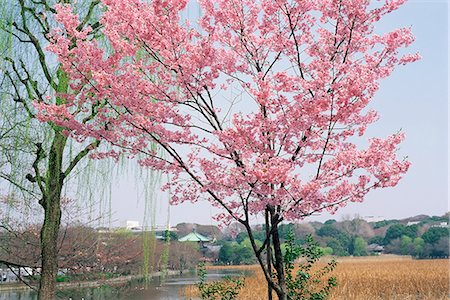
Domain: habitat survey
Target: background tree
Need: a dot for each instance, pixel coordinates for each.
(398, 230)
(184, 255)
(439, 249)
(302, 230)
(434, 234)
(19, 237)
(418, 247)
(356, 227)
(83, 252)
(340, 248)
(237, 253)
(359, 247)
(299, 75)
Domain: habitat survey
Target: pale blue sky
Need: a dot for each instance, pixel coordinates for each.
(414, 99)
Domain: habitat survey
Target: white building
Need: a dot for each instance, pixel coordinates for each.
(441, 225)
(412, 223)
(129, 224)
(371, 219)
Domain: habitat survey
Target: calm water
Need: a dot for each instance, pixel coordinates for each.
(170, 288)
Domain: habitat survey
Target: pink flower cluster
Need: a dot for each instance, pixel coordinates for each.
(256, 104)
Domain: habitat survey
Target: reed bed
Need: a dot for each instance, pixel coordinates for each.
(368, 278)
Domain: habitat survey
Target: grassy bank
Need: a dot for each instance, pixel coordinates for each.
(369, 278)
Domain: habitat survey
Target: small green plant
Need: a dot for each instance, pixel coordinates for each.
(62, 278)
(306, 284)
(225, 289)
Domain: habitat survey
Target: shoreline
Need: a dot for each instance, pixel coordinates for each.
(20, 286)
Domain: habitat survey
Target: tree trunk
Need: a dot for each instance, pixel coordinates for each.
(49, 252)
(272, 220)
(269, 255)
(51, 202)
(279, 265)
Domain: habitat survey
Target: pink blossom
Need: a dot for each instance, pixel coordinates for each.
(302, 74)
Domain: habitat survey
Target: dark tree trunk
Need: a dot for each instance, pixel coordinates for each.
(49, 252)
(51, 202)
(279, 265)
(274, 258)
(269, 255)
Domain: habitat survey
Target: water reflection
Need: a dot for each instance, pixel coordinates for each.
(169, 288)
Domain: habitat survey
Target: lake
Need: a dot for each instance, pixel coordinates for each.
(158, 289)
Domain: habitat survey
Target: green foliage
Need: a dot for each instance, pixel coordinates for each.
(226, 253)
(238, 254)
(434, 219)
(434, 234)
(170, 235)
(339, 241)
(439, 249)
(241, 236)
(327, 251)
(330, 222)
(359, 247)
(398, 230)
(62, 278)
(393, 232)
(258, 235)
(411, 231)
(339, 247)
(418, 246)
(225, 289)
(244, 255)
(329, 230)
(284, 230)
(383, 223)
(378, 239)
(405, 245)
(306, 284)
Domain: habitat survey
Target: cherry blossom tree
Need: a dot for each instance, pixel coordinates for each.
(256, 106)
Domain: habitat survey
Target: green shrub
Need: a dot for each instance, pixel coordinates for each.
(306, 284)
(226, 289)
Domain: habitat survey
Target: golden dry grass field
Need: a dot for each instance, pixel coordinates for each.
(370, 278)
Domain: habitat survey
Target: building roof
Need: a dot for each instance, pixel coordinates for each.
(194, 237)
(375, 247)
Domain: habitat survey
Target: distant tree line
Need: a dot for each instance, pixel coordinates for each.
(84, 250)
(424, 237)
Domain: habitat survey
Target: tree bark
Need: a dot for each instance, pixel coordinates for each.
(272, 221)
(279, 265)
(51, 202)
(269, 254)
(49, 252)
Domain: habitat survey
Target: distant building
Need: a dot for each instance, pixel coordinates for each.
(412, 223)
(441, 225)
(194, 237)
(371, 219)
(136, 227)
(8, 275)
(131, 224)
(375, 249)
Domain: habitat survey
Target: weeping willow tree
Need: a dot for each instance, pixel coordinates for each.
(37, 159)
